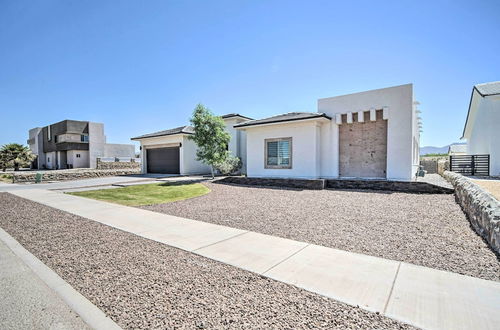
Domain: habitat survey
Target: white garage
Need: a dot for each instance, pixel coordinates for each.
(170, 152)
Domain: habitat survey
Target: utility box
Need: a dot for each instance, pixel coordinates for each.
(38, 177)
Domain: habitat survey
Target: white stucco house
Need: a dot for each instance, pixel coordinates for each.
(172, 152)
(482, 126)
(368, 135)
(373, 134)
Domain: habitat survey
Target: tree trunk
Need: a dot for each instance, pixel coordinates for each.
(16, 166)
(212, 170)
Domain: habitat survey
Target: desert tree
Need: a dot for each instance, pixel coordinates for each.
(210, 136)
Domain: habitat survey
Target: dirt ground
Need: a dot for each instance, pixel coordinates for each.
(492, 186)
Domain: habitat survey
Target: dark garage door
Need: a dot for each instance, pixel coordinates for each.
(163, 160)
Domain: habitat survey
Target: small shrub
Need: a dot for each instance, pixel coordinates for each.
(229, 166)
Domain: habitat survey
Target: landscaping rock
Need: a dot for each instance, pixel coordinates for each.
(423, 229)
(143, 284)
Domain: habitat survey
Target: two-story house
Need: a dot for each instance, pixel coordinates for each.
(73, 144)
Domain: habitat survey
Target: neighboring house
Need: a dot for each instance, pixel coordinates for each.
(482, 127)
(457, 149)
(73, 144)
(373, 134)
(172, 152)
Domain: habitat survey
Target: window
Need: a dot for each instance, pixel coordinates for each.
(84, 138)
(55, 138)
(48, 159)
(77, 155)
(278, 153)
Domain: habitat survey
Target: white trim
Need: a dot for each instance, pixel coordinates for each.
(385, 113)
(162, 145)
(159, 136)
(287, 122)
(338, 118)
(349, 117)
(361, 116)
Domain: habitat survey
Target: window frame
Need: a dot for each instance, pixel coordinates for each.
(290, 141)
(84, 138)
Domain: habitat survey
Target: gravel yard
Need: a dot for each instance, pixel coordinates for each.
(142, 284)
(427, 230)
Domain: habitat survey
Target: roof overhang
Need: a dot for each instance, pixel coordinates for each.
(476, 95)
(321, 117)
(138, 138)
(233, 116)
(471, 112)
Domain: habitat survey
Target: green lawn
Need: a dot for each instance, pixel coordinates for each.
(147, 194)
(7, 178)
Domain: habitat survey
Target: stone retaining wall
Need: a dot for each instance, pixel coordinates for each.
(482, 209)
(315, 184)
(442, 166)
(76, 174)
(318, 184)
(402, 186)
(117, 165)
(429, 165)
(435, 165)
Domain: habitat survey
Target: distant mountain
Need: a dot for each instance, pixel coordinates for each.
(436, 150)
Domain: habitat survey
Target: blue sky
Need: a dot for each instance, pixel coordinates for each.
(142, 66)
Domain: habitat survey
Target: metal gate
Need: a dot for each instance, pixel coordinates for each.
(470, 164)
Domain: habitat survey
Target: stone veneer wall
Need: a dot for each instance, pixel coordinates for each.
(117, 165)
(76, 174)
(482, 209)
(402, 186)
(318, 184)
(443, 165)
(429, 165)
(315, 184)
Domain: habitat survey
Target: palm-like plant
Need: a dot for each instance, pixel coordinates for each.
(16, 155)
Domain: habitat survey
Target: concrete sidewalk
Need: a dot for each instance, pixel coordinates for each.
(420, 296)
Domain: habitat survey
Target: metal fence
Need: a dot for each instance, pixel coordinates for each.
(470, 164)
(118, 159)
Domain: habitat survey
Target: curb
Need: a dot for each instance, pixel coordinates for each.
(89, 313)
